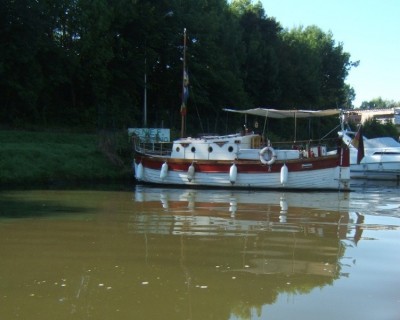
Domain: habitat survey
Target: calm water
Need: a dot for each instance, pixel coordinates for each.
(200, 254)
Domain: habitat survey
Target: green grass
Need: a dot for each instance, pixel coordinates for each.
(28, 158)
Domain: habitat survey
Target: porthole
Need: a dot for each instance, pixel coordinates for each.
(210, 149)
(178, 149)
(193, 149)
(230, 149)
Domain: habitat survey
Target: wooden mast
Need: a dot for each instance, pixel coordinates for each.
(185, 88)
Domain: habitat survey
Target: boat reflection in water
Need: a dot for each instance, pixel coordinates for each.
(243, 248)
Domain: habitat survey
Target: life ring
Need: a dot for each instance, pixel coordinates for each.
(271, 155)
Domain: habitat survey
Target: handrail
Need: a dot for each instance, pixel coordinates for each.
(164, 149)
(154, 148)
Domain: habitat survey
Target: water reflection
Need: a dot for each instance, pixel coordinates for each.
(238, 213)
(250, 245)
(178, 254)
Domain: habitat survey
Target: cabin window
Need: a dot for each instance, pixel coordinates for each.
(210, 149)
(230, 149)
(178, 149)
(193, 149)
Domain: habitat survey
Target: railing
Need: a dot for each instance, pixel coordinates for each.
(164, 149)
(330, 143)
(153, 148)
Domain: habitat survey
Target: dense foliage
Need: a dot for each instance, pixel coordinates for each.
(82, 63)
(379, 103)
(372, 128)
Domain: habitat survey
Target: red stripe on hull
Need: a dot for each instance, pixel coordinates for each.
(246, 166)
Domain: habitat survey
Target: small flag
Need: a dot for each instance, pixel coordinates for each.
(185, 86)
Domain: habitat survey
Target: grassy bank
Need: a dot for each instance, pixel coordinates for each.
(49, 158)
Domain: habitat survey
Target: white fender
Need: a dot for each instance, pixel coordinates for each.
(139, 171)
(284, 174)
(271, 155)
(164, 171)
(191, 172)
(233, 173)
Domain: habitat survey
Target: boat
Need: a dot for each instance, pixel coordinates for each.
(372, 159)
(245, 159)
(242, 160)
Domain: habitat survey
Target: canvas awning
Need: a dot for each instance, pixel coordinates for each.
(274, 113)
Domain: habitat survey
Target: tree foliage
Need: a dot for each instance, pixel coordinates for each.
(379, 103)
(82, 63)
(315, 69)
(373, 129)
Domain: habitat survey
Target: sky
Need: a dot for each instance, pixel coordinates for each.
(369, 31)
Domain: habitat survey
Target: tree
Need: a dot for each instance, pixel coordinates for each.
(315, 68)
(350, 95)
(260, 66)
(379, 103)
(82, 63)
(21, 34)
(373, 129)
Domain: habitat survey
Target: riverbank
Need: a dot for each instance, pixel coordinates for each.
(55, 158)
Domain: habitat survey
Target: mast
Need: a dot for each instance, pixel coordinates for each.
(185, 88)
(145, 91)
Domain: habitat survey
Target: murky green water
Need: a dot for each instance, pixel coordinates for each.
(200, 254)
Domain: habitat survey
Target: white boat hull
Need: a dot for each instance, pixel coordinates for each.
(377, 164)
(381, 160)
(335, 178)
(375, 171)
